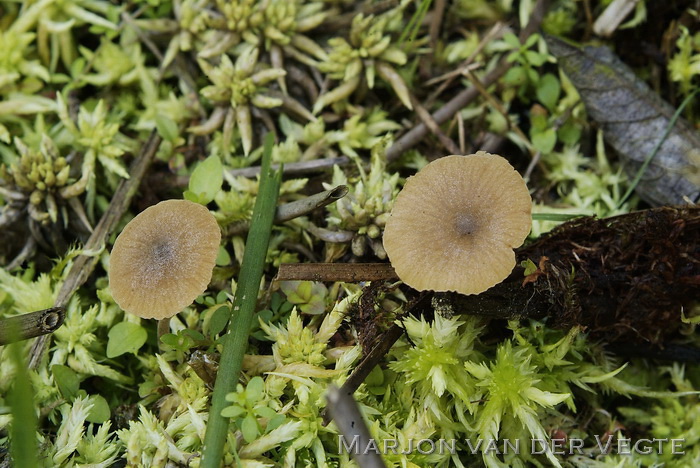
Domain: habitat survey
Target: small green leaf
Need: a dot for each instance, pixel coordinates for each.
(167, 128)
(223, 258)
(529, 266)
(125, 337)
(249, 428)
(206, 179)
(254, 390)
(100, 411)
(535, 58)
(548, 89)
(194, 334)
(265, 315)
(275, 422)
(569, 133)
(265, 412)
(276, 301)
(67, 381)
(218, 320)
(191, 196)
(545, 141)
(232, 411)
(515, 76)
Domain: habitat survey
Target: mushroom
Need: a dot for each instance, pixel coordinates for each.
(164, 258)
(455, 224)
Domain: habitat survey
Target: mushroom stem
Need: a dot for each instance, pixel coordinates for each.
(163, 329)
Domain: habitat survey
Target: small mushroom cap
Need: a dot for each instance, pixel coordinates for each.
(456, 222)
(164, 258)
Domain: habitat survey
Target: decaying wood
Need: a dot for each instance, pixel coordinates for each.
(84, 264)
(619, 277)
(624, 278)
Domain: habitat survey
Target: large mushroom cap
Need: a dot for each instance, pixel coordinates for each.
(456, 222)
(164, 258)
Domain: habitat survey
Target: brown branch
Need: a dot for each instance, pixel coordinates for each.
(360, 373)
(345, 272)
(31, 325)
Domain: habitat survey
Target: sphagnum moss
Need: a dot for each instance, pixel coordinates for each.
(83, 82)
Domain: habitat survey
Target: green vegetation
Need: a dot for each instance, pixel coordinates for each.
(332, 86)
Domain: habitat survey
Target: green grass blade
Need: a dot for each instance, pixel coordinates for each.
(23, 442)
(236, 340)
(411, 30)
(555, 216)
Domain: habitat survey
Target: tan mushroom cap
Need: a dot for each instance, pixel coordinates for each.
(456, 222)
(164, 258)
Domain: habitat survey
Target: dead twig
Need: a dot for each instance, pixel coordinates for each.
(461, 100)
(428, 121)
(289, 211)
(33, 324)
(345, 272)
(360, 373)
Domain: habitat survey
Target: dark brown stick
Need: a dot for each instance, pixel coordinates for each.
(297, 168)
(360, 373)
(346, 272)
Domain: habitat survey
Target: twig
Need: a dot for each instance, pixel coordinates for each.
(360, 373)
(494, 33)
(85, 263)
(428, 121)
(31, 325)
(345, 272)
(327, 235)
(614, 14)
(294, 169)
(128, 19)
(27, 251)
(351, 425)
(295, 209)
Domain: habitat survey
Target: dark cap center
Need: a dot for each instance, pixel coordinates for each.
(466, 225)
